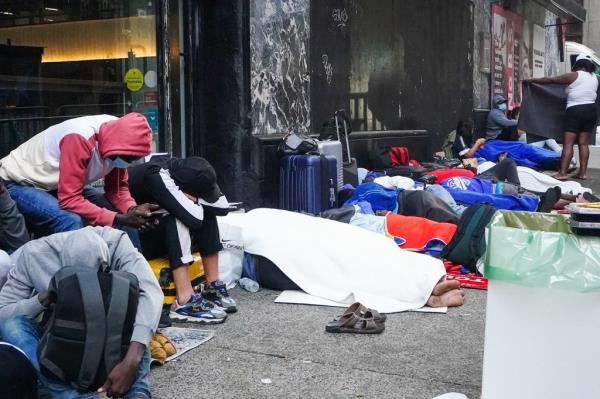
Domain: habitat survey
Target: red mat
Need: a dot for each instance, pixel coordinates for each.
(470, 280)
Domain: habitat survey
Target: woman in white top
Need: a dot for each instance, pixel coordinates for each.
(581, 116)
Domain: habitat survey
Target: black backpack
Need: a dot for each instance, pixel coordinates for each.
(89, 326)
(468, 243)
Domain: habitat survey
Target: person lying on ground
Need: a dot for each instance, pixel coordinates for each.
(13, 232)
(503, 195)
(505, 170)
(499, 127)
(581, 114)
(187, 189)
(24, 297)
(49, 175)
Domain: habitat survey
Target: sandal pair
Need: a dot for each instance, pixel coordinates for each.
(358, 319)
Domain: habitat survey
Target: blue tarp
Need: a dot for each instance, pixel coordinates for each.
(468, 191)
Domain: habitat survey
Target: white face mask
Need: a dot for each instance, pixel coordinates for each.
(502, 107)
(119, 163)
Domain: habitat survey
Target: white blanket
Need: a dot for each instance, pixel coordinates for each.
(340, 262)
(535, 181)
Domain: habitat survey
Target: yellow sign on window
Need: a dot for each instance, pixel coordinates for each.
(134, 78)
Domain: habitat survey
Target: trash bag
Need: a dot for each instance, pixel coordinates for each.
(539, 250)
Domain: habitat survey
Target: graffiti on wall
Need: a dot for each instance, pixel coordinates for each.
(279, 34)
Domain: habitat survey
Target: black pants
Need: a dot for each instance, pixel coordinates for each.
(176, 241)
(505, 170)
(509, 134)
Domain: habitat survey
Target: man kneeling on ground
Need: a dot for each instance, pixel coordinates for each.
(24, 297)
(187, 189)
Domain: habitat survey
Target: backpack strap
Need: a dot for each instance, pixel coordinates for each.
(95, 332)
(115, 319)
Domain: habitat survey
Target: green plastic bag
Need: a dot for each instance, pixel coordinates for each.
(539, 250)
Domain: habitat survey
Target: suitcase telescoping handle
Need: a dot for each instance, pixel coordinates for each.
(337, 114)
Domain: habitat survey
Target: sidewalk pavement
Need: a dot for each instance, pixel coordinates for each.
(418, 356)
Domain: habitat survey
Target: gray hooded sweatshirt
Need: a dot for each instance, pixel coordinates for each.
(89, 247)
(497, 119)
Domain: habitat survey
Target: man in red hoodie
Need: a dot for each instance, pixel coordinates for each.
(49, 175)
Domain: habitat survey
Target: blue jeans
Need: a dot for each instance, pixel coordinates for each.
(44, 216)
(25, 333)
(445, 196)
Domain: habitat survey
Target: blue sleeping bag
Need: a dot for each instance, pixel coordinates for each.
(523, 154)
(380, 198)
(468, 191)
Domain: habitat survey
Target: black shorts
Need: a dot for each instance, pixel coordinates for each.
(581, 118)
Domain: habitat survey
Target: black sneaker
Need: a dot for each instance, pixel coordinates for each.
(165, 320)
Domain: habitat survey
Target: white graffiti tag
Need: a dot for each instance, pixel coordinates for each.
(340, 17)
(328, 68)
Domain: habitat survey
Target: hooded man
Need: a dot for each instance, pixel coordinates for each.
(498, 125)
(47, 175)
(188, 190)
(24, 297)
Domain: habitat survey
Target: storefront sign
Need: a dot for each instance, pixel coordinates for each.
(507, 29)
(134, 78)
(539, 51)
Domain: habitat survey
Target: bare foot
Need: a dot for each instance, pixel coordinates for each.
(452, 298)
(560, 177)
(584, 177)
(445, 286)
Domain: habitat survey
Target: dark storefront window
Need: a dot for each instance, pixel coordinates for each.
(66, 58)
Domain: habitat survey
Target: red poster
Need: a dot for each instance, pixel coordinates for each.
(507, 32)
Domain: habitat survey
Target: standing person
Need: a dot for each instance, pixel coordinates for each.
(499, 126)
(187, 189)
(49, 175)
(24, 297)
(581, 115)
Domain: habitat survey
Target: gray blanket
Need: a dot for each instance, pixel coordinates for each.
(543, 111)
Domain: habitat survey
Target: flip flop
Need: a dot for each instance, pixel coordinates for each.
(355, 324)
(580, 177)
(590, 197)
(361, 309)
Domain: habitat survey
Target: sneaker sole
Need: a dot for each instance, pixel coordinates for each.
(179, 318)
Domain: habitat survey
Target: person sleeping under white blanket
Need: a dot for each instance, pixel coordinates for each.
(347, 264)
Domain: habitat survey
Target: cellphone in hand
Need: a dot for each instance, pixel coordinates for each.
(159, 213)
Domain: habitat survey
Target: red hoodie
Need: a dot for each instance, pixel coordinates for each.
(83, 159)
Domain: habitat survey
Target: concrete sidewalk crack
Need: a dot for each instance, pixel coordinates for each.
(400, 375)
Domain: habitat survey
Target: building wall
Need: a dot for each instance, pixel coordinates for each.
(531, 13)
(591, 27)
(279, 34)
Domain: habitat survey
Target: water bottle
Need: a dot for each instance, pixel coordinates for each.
(249, 284)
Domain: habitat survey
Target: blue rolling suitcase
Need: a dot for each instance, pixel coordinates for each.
(308, 183)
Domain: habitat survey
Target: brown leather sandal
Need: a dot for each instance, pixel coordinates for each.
(361, 309)
(356, 324)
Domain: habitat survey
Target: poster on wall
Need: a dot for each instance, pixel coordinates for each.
(507, 30)
(539, 51)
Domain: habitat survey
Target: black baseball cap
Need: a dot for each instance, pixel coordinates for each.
(196, 176)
